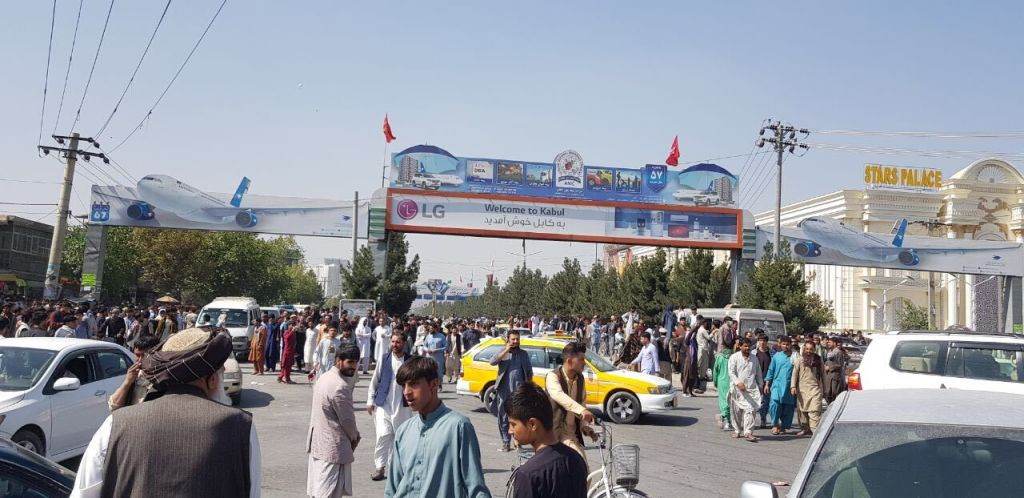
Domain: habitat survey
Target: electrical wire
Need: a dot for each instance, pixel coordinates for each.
(952, 154)
(120, 169)
(103, 34)
(29, 203)
(758, 176)
(46, 78)
(756, 188)
(923, 134)
(67, 72)
(136, 71)
(18, 180)
(173, 79)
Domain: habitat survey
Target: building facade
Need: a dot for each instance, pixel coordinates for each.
(328, 275)
(984, 201)
(24, 250)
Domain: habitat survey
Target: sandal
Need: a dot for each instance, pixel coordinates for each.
(752, 438)
(776, 431)
(735, 435)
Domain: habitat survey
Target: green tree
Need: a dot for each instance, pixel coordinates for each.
(358, 281)
(302, 286)
(397, 288)
(912, 317)
(562, 293)
(121, 264)
(776, 283)
(696, 280)
(523, 293)
(644, 285)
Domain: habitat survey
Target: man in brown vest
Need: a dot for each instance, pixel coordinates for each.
(185, 441)
(567, 389)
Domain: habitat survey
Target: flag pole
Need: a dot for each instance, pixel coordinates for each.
(384, 169)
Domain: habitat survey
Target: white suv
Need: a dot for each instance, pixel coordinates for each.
(953, 360)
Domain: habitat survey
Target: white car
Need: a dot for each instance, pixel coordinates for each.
(951, 360)
(54, 391)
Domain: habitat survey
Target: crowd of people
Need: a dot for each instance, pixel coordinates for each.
(421, 447)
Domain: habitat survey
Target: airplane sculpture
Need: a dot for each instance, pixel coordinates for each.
(831, 234)
(187, 202)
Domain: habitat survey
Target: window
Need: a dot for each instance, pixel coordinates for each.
(78, 367)
(20, 368)
(986, 364)
(13, 484)
(487, 354)
(538, 358)
(555, 358)
(112, 363)
(919, 357)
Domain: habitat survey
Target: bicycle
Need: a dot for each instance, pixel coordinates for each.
(620, 468)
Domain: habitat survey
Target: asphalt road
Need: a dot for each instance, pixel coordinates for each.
(682, 452)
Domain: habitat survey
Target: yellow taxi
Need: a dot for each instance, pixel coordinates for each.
(621, 394)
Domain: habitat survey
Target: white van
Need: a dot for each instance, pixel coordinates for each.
(771, 322)
(239, 313)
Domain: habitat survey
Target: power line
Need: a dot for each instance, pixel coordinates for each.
(67, 72)
(136, 71)
(924, 134)
(29, 203)
(103, 34)
(18, 180)
(120, 169)
(46, 78)
(952, 154)
(758, 174)
(173, 79)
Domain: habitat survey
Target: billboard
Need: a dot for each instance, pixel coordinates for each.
(902, 178)
(491, 215)
(161, 201)
(829, 242)
(433, 191)
(431, 168)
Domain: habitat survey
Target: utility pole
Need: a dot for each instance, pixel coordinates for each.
(71, 153)
(355, 226)
(783, 139)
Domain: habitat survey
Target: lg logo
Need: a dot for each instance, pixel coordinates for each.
(407, 209)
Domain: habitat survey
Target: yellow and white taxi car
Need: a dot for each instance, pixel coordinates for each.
(621, 394)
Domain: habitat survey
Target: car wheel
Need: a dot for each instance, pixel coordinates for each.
(236, 398)
(623, 408)
(488, 398)
(242, 357)
(30, 441)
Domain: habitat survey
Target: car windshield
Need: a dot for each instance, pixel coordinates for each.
(599, 363)
(21, 368)
(898, 460)
(235, 318)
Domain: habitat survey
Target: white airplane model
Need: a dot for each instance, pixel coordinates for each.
(831, 234)
(187, 202)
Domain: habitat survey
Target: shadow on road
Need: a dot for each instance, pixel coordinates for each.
(666, 420)
(252, 398)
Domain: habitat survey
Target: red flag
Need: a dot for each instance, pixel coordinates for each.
(388, 135)
(673, 154)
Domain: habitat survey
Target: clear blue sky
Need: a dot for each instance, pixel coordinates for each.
(292, 94)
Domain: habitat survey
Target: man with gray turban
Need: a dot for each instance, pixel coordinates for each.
(333, 435)
(183, 440)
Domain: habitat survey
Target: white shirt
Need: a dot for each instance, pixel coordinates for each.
(648, 359)
(64, 331)
(89, 481)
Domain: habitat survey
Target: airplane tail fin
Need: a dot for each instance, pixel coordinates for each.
(901, 230)
(243, 187)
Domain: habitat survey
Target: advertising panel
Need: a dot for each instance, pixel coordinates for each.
(509, 216)
(828, 242)
(431, 168)
(902, 178)
(161, 201)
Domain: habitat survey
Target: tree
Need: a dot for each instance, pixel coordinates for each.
(644, 285)
(121, 264)
(776, 283)
(397, 288)
(302, 286)
(562, 293)
(912, 317)
(358, 281)
(523, 292)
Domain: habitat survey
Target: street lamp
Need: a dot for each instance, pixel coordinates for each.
(885, 298)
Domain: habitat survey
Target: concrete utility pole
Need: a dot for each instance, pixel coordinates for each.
(783, 138)
(355, 227)
(71, 153)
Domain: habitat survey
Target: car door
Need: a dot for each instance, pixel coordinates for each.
(916, 364)
(73, 413)
(112, 366)
(594, 393)
(539, 362)
(977, 366)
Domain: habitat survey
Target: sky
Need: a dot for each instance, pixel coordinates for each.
(292, 94)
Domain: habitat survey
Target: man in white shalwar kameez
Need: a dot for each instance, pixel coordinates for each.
(363, 334)
(746, 383)
(386, 403)
(382, 337)
(323, 354)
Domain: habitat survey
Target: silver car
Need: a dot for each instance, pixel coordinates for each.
(912, 443)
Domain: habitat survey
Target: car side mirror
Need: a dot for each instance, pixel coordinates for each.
(67, 384)
(758, 489)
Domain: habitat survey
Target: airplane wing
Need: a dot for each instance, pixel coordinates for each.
(232, 211)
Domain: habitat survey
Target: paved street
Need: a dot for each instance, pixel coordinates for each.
(682, 453)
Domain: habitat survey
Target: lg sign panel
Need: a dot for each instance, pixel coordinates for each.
(161, 201)
(512, 217)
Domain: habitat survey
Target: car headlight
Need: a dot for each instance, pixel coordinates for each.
(233, 376)
(664, 389)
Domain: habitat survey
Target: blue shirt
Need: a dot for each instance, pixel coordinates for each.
(780, 372)
(436, 343)
(436, 456)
